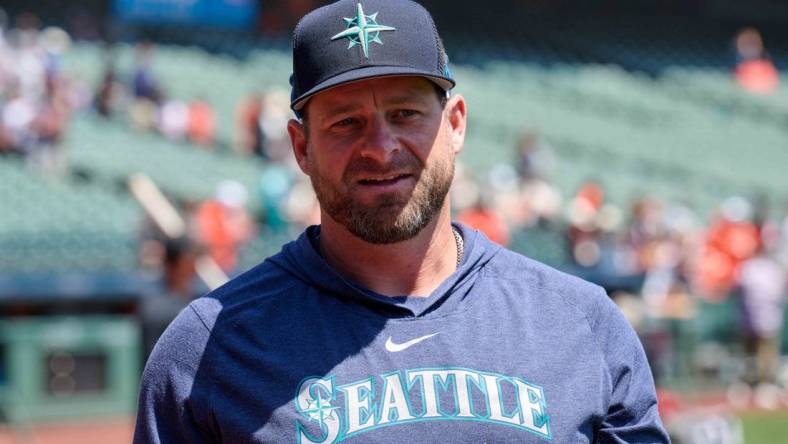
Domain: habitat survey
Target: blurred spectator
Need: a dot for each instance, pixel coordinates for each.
(54, 42)
(542, 203)
(464, 189)
(644, 229)
(106, 97)
(502, 194)
(583, 232)
(665, 287)
(49, 126)
(202, 123)
(301, 205)
(143, 115)
(17, 116)
(591, 194)
(754, 71)
(176, 289)
(248, 133)
(486, 219)
(273, 123)
(224, 225)
(762, 285)
(145, 89)
(731, 239)
(174, 119)
(145, 86)
(535, 157)
(275, 185)
(29, 56)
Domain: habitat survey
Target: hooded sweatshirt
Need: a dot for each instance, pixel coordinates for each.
(506, 349)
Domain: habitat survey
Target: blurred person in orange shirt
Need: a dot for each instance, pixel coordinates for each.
(224, 225)
(731, 239)
(486, 219)
(754, 71)
(202, 123)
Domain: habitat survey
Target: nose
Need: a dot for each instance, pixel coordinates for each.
(380, 141)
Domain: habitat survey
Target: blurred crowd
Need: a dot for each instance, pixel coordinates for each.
(143, 100)
(36, 98)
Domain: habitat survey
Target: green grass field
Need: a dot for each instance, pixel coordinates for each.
(765, 427)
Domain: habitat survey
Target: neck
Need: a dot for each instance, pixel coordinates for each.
(414, 267)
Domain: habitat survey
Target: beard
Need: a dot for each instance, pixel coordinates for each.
(392, 217)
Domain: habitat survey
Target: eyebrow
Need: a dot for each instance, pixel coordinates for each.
(341, 109)
(409, 96)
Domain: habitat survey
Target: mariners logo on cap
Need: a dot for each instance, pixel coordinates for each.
(363, 29)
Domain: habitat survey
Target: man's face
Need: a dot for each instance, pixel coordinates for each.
(380, 154)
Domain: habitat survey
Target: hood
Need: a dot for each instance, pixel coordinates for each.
(301, 259)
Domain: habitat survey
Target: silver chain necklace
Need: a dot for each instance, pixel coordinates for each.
(460, 245)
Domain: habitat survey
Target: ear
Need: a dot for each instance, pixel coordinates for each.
(296, 131)
(457, 118)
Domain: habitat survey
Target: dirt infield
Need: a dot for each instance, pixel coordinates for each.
(104, 431)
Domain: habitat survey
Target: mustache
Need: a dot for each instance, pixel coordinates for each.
(364, 166)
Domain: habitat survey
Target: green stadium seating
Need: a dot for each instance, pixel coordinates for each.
(57, 225)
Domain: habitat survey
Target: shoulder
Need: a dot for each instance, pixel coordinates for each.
(550, 285)
(181, 347)
(186, 338)
(169, 400)
(258, 286)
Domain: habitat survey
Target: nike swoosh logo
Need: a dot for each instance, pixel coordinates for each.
(394, 347)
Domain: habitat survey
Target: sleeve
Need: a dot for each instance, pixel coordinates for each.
(632, 414)
(172, 408)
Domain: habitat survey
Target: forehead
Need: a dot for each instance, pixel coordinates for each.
(382, 90)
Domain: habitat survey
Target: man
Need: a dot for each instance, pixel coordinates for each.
(388, 323)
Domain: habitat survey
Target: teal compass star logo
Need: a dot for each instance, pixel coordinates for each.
(320, 409)
(363, 29)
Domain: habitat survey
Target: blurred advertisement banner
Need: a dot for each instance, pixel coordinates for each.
(220, 13)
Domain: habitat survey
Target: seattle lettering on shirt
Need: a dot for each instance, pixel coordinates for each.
(389, 400)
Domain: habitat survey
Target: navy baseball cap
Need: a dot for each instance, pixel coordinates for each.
(353, 40)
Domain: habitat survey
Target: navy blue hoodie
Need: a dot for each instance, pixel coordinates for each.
(505, 350)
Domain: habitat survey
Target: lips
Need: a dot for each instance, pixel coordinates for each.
(389, 179)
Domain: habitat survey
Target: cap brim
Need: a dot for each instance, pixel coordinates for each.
(367, 73)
